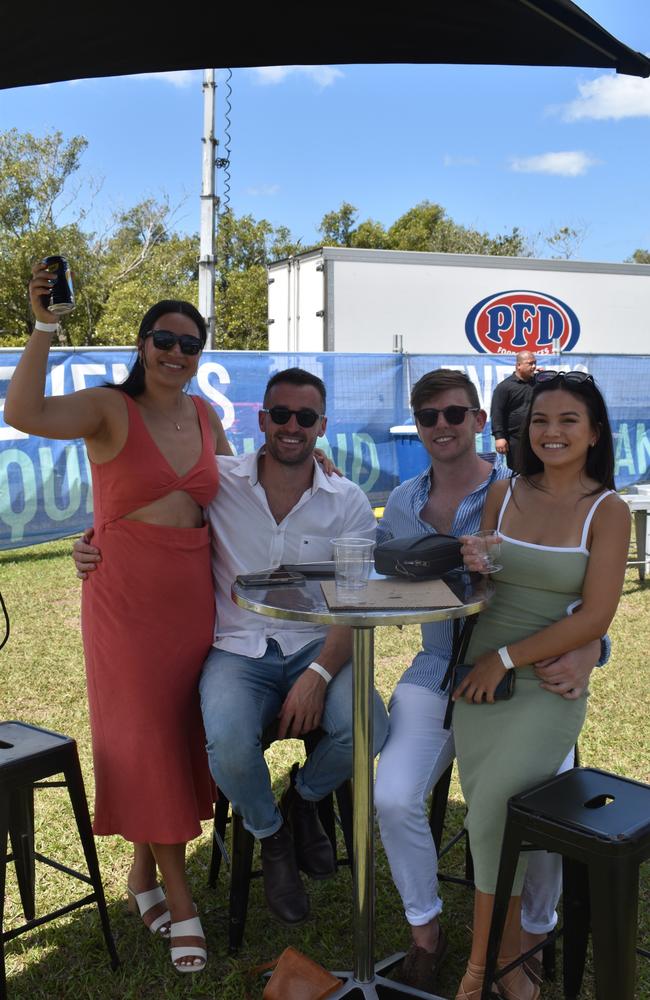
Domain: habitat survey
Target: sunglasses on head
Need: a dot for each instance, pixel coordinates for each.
(282, 415)
(453, 415)
(547, 377)
(164, 340)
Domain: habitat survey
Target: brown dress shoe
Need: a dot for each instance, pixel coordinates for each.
(314, 853)
(420, 967)
(285, 894)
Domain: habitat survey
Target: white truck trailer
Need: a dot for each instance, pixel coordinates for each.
(378, 301)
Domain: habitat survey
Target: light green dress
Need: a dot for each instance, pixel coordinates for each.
(507, 747)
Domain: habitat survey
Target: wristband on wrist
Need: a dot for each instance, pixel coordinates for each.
(504, 656)
(325, 674)
(46, 327)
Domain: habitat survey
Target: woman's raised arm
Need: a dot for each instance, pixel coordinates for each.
(79, 414)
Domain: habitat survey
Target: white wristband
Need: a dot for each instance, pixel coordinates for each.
(325, 674)
(504, 656)
(46, 327)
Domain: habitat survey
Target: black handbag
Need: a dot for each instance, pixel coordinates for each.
(503, 691)
(418, 557)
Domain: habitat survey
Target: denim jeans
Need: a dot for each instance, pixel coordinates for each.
(241, 696)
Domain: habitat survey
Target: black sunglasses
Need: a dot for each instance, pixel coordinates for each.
(547, 377)
(164, 340)
(282, 415)
(453, 415)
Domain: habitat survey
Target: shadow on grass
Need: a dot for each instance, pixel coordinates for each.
(35, 555)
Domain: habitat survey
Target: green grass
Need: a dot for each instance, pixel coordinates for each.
(43, 683)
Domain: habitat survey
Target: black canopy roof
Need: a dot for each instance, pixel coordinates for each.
(46, 42)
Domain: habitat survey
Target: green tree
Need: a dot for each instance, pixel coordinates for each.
(639, 257)
(35, 175)
(425, 227)
(337, 228)
(143, 261)
(244, 249)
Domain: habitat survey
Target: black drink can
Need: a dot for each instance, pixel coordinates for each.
(61, 298)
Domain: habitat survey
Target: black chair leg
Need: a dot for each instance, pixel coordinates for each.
(328, 822)
(220, 822)
(21, 833)
(344, 802)
(77, 793)
(549, 961)
(4, 832)
(576, 911)
(439, 807)
(242, 862)
(614, 897)
(469, 860)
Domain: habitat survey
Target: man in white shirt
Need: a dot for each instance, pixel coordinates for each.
(274, 507)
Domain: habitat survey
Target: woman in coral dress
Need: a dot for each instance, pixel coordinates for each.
(148, 609)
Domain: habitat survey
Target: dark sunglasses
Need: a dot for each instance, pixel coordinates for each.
(164, 340)
(453, 415)
(547, 377)
(282, 415)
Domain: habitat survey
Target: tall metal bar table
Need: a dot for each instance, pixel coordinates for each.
(306, 602)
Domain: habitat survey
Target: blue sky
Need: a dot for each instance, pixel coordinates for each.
(497, 147)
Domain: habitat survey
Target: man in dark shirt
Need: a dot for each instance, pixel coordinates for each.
(510, 402)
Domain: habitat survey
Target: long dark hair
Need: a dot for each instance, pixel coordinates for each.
(600, 456)
(134, 384)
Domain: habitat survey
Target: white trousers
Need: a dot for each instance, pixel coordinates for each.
(416, 754)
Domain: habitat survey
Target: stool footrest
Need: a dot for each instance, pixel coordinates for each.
(63, 868)
(38, 921)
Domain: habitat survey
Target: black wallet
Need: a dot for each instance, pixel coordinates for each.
(504, 689)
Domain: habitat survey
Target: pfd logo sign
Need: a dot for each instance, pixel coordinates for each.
(522, 320)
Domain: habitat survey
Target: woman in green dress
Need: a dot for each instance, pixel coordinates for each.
(564, 542)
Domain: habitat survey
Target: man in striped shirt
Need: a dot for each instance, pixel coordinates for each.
(448, 499)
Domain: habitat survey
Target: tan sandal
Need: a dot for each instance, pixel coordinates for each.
(518, 986)
(471, 985)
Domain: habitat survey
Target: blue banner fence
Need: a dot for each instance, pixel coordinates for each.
(45, 490)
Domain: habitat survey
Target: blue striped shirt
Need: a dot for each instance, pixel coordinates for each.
(401, 519)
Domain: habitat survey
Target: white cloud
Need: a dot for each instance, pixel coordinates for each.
(263, 190)
(568, 164)
(324, 76)
(609, 97)
(178, 78)
(449, 160)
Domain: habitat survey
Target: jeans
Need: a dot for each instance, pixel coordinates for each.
(417, 753)
(241, 696)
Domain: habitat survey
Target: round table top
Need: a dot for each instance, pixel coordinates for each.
(306, 602)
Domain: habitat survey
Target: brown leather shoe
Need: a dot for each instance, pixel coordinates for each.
(314, 853)
(285, 894)
(420, 968)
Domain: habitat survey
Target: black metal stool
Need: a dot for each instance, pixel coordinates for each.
(600, 824)
(437, 815)
(28, 755)
(243, 842)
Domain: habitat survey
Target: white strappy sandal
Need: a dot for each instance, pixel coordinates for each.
(142, 902)
(188, 928)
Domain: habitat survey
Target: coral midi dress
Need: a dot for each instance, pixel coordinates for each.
(147, 623)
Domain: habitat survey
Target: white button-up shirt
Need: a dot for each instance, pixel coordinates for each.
(246, 539)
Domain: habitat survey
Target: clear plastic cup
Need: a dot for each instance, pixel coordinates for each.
(352, 564)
